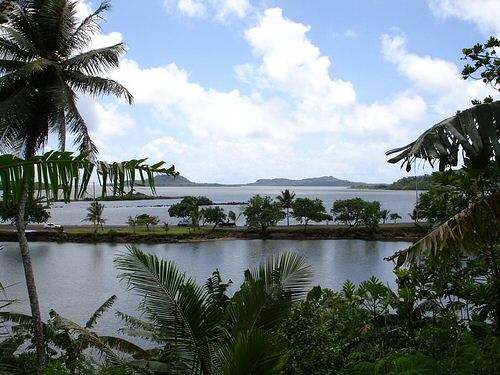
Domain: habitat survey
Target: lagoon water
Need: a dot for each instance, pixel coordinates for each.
(75, 279)
(116, 212)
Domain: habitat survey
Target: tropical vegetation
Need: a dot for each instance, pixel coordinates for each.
(306, 209)
(443, 316)
(44, 62)
(262, 212)
(95, 215)
(286, 199)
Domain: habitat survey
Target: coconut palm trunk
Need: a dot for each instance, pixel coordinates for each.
(29, 274)
(30, 282)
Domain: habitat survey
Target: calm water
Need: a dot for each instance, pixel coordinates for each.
(75, 279)
(116, 213)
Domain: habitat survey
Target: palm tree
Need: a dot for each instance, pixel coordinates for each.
(286, 200)
(202, 329)
(132, 221)
(42, 65)
(94, 215)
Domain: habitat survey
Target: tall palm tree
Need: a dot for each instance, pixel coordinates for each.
(94, 215)
(286, 200)
(43, 63)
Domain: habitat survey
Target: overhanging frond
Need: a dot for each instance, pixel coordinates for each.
(476, 227)
(64, 175)
(475, 131)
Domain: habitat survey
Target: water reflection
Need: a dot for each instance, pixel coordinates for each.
(75, 279)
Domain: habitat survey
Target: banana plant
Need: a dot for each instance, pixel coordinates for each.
(200, 331)
(475, 132)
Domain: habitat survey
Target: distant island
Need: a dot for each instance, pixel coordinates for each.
(406, 183)
(164, 180)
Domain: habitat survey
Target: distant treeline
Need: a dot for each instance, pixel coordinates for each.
(405, 183)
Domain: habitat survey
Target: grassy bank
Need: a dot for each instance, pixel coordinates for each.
(396, 232)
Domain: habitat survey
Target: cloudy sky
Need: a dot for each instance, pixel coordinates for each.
(235, 90)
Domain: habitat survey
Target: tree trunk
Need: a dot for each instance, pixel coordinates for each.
(30, 281)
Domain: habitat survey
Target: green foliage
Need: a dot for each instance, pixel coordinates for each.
(262, 212)
(473, 132)
(45, 59)
(65, 175)
(147, 220)
(286, 199)
(305, 210)
(203, 331)
(94, 215)
(412, 182)
(214, 215)
(189, 207)
(132, 221)
(356, 211)
(485, 62)
(429, 325)
(395, 216)
(35, 213)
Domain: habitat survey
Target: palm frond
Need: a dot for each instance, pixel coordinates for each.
(96, 61)
(91, 338)
(81, 36)
(268, 293)
(476, 227)
(61, 174)
(176, 304)
(253, 353)
(101, 310)
(124, 346)
(97, 86)
(18, 45)
(475, 130)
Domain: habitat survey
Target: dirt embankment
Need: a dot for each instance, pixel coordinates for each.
(385, 233)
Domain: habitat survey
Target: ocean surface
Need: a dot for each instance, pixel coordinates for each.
(75, 279)
(117, 212)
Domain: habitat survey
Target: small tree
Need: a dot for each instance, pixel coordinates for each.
(348, 211)
(147, 220)
(214, 215)
(394, 216)
(286, 201)
(189, 208)
(371, 215)
(305, 210)
(262, 212)
(94, 215)
(35, 213)
(132, 221)
(356, 211)
(384, 215)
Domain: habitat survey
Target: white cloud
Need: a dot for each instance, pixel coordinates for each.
(220, 10)
(225, 130)
(435, 77)
(294, 64)
(484, 13)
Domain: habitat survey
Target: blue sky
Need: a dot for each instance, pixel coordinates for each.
(235, 90)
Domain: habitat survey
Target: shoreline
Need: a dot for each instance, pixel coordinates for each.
(389, 232)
